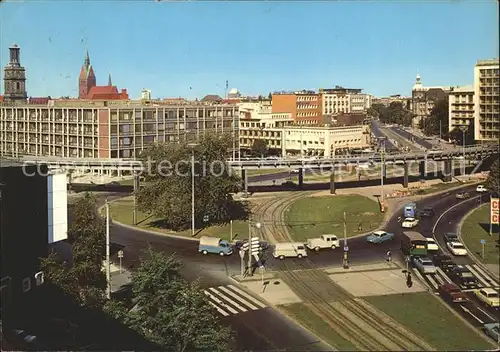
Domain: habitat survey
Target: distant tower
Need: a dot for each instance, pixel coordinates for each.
(15, 77)
(86, 79)
(110, 84)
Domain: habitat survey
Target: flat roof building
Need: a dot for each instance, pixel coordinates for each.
(486, 98)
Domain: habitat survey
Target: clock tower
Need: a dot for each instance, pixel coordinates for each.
(15, 78)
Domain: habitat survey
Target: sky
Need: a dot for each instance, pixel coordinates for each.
(190, 49)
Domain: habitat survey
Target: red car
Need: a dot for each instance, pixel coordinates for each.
(452, 292)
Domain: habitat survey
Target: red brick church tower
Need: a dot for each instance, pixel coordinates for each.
(87, 79)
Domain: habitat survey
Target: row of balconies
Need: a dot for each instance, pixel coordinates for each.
(51, 131)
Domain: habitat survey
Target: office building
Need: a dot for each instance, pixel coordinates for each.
(461, 107)
(486, 99)
(344, 100)
(107, 129)
(304, 106)
(33, 216)
(396, 98)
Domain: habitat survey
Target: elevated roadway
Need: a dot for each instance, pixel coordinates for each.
(411, 137)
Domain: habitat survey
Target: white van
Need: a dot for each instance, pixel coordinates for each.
(289, 250)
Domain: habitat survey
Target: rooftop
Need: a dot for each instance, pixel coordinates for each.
(488, 62)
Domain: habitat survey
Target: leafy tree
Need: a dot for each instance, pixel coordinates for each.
(458, 136)
(259, 148)
(493, 181)
(84, 279)
(394, 113)
(171, 312)
(437, 120)
(167, 188)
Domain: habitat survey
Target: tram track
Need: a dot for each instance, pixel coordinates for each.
(352, 318)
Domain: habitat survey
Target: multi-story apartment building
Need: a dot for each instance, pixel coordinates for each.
(424, 99)
(107, 129)
(344, 100)
(396, 98)
(305, 106)
(486, 98)
(461, 107)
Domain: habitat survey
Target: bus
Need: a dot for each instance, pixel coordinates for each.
(413, 244)
(410, 210)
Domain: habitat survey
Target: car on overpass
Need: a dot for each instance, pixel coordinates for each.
(409, 223)
(488, 296)
(379, 237)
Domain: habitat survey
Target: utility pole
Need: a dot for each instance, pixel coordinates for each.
(192, 193)
(108, 269)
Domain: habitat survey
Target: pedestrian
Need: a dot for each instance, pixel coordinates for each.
(360, 227)
(389, 256)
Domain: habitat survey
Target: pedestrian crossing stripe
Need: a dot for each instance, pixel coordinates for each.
(440, 278)
(230, 299)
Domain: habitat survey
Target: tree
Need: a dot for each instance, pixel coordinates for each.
(84, 279)
(168, 180)
(394, 113)
(259, 148)
(457, 135)
(493, 181)
(437, 122)
(171, 312)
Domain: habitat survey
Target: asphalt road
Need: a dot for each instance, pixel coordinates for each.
(379, 134)
(265, 328)
(411, 137)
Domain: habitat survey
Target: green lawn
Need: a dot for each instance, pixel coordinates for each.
(315, 216)
(129, 182)
(122, 211)
(439, 187)
(476, 228)
(430, 319)
(307, 318)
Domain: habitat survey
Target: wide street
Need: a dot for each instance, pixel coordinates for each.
(263, 327)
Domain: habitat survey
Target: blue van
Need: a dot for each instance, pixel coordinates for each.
(214, 245)
(410, 210)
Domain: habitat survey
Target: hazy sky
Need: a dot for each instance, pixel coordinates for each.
(191, 48)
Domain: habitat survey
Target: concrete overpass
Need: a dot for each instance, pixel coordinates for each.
(135, 167)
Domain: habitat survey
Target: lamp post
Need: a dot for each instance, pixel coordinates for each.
(463, 129)
(108, 268)
(256, 225)
(382, 169)
(192, 146)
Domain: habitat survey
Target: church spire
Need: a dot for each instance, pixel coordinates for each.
(87, 59)
(109, 80)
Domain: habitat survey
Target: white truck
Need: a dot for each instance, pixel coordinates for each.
(325, 241)
(289, 250)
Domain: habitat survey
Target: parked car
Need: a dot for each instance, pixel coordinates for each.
(427, 212)
(431, 244)
(444, 262)
(481, 189)
(379, 237)
(452, 292)
(424, 265)
(409, 223)
(462, 195)
(456, 248)
(450, 237)
(294, 171)
(488, 296)
(493, 331)
(463, 277)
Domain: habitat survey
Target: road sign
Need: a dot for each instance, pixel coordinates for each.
(254, 245)
(205, 218)
(483, 241)
(494, 211)
(120, 254)
(346, 249)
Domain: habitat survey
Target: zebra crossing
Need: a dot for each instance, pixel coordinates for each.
(231, 300)
(440, 278)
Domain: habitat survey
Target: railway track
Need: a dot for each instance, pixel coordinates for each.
(354, 319)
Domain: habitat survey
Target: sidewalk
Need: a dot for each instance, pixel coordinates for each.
(119, 280)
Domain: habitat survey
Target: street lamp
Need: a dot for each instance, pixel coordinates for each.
(463, 129)
(382, 169)
(192, 146)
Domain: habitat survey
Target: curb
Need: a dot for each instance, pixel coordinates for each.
(471, 254)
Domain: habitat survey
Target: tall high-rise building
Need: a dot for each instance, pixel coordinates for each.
(14, 78)
(487, 103)
(461, 107)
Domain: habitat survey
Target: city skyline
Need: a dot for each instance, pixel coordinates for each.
(198, 60)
